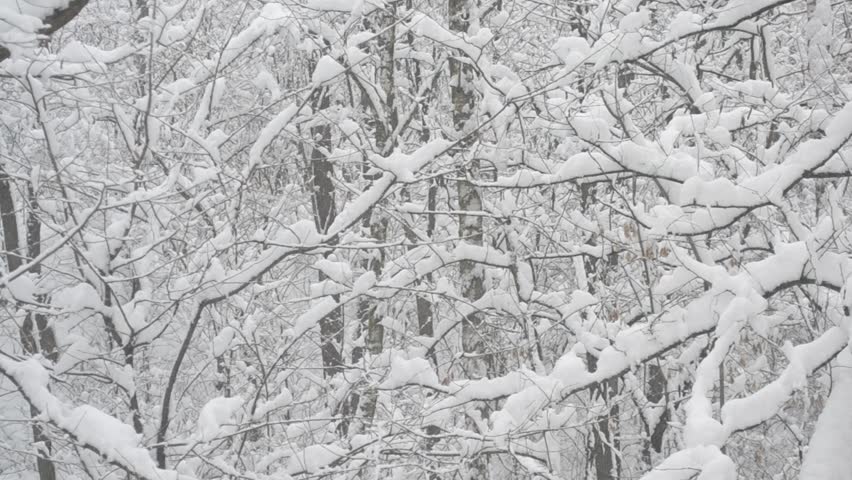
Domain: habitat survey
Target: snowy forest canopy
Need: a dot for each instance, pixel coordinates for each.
(426, 239)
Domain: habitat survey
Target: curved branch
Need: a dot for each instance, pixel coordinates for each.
(53, 22)
(87, 426)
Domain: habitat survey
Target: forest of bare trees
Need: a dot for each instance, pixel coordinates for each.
(425, 239)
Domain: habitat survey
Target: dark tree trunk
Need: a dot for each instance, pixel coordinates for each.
(656, 392)
(34, 338)
(325, 211)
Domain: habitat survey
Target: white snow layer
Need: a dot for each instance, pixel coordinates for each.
(828, 455)
(113, 439)
(215, 414)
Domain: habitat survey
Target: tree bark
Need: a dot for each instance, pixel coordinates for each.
(325, 211)
(602, 455)
(656, 392)
(470, 226)
(46, 343)
(476, 362)
(368, 315)
(56, 20)
(10, 223)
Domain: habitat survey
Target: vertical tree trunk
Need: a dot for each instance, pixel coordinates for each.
(602, 455)
(10, 223)
(656, 385)
(470, 226)
(43, 340)
(607, 464)
(425, 324)
(476, 362)
(424, 306)
(325, 211)
(368, 315)
(425, 312)
(46, 337)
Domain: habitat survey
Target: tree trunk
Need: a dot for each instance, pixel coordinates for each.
(10, 223)
(325, 211)
(46, 337)
(470, 226)
(368, 315)
(424, 306)
(45, 342)
(476, 362)
(656, 384)
(602, 455)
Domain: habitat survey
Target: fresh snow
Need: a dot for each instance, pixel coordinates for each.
(535, 214)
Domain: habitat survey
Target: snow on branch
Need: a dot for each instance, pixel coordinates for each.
(90, 428)
(23, 23)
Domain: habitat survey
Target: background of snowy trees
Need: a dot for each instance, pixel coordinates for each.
(425, 239)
